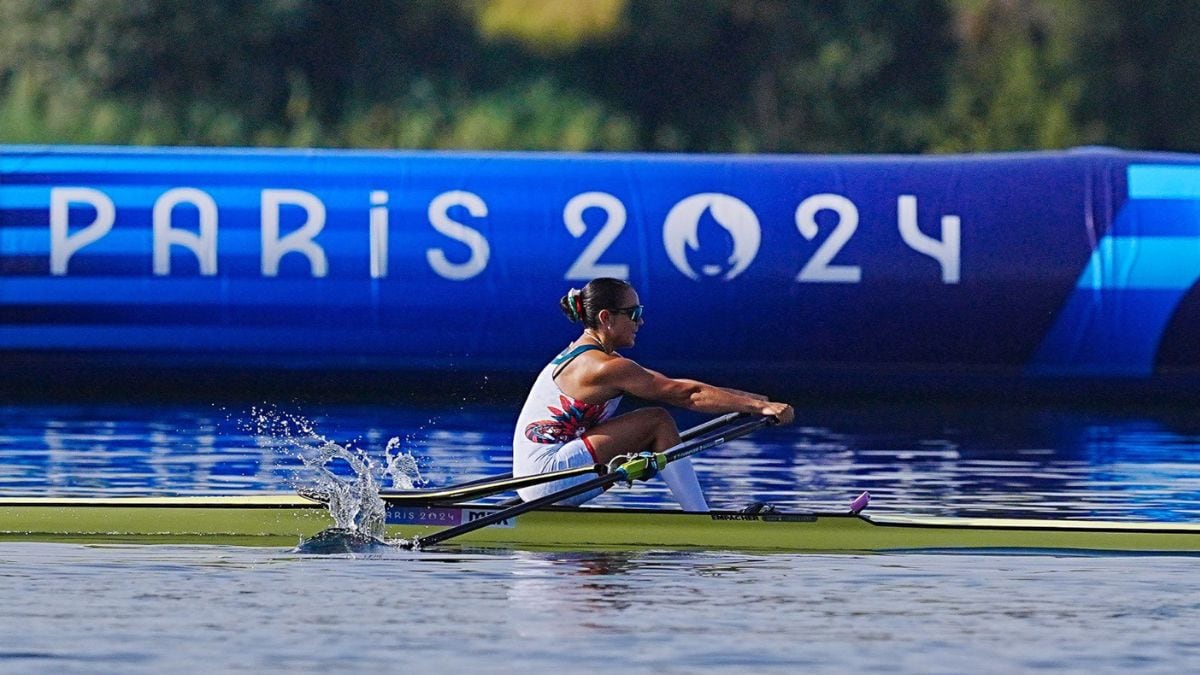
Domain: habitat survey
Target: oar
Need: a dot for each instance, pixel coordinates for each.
(492, 485)
(714, 423)
(640, 467)
(484, 488)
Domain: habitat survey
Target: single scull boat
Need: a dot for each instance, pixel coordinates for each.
(282, 520)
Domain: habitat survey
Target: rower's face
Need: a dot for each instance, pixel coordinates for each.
(623, 327)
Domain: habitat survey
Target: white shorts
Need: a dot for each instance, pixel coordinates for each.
(569, 455)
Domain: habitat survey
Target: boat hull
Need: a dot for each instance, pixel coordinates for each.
(283, 520)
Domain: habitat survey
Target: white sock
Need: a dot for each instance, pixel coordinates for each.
(685, 487)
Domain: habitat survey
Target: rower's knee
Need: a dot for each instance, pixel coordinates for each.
(659, 416)
(663, 424)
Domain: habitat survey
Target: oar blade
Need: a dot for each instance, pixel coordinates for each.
(341, 541)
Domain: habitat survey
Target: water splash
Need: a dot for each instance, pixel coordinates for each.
(401, 466)
(353, 497)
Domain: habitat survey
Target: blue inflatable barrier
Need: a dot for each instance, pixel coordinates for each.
(1038, 265)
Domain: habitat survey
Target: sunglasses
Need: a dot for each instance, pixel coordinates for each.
(635, 312)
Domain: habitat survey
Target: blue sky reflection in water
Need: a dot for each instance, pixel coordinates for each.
(982, 460)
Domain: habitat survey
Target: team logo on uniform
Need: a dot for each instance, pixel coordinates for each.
(567, 424)
(681, 233)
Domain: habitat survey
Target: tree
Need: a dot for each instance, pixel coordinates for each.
(656, 75)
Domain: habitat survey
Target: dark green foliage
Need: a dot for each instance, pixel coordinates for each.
(656, 75)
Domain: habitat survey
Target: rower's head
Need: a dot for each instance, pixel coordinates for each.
(602, 304)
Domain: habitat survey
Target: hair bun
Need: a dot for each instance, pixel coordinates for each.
(572, 305)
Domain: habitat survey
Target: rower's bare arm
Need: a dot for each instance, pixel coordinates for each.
(757, 397)
(694, 395)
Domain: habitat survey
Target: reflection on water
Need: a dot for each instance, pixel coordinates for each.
(914, 459)
(649, 612)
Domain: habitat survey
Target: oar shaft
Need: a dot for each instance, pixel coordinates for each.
(684, 449)
(486, 487)
(505, 514)
(714, 423)
(688, 449)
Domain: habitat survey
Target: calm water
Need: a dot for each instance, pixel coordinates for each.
(926, 460)
(169, 609)
(72, 608)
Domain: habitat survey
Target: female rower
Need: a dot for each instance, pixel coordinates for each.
(568, 421)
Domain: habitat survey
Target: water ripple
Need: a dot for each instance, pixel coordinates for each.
(969, 461)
